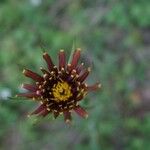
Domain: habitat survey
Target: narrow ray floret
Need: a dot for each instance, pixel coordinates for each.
(60, 89)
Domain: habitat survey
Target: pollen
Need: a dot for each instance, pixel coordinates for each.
(61, 91)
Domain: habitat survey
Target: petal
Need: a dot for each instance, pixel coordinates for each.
(82, 77)
(79, 68)
(75, 59)
(93, 87)
(62, 59)
(32, 75)
(28, 95)
(48, 60)
(44, 113)
(67, 116)
(29, 87)
(38, 110)
(81, 112)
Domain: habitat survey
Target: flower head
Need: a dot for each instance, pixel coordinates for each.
(60, 89)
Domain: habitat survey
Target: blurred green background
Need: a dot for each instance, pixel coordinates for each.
(115, 38)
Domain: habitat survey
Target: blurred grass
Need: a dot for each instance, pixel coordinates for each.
(115, 38)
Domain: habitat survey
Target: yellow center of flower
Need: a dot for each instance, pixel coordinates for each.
(61, 91)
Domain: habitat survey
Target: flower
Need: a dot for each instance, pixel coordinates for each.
(59, 89)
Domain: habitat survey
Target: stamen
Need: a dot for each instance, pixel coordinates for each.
(61, 91)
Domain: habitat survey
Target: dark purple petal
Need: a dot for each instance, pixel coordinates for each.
(28, 95)
(29, 87)
(79, 68)
(44, 113)
(38, 110)
(84, 75)
(62, 59)
(33, 75)
(75, 59)
(81, 112)
(93, 87)
(67, 116)
(48, 60)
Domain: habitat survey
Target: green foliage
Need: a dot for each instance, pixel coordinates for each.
(114, 36)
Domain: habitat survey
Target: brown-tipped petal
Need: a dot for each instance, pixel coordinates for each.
(56, 114)
(44, 113)
(38, 110)
(33, 75)
(28, 95)
(29, 87)
(67, 116)
(75, 59)
(62, 59)
(79, 68)
(93, 87)
(48, 60)
(82, 77)
(81, 112)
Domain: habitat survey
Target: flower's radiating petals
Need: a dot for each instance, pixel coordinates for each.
(67, 116)
(38, 110)
(29, 87)
(48, 60)
(81, 112)
(93, 87)
(79, 68)
(28, 95)
(82, 77)
(60, 88)
(44, 113)
(33, 75)
(62, 59)
(75, 59)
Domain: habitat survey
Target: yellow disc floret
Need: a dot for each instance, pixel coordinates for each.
(61, 91)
